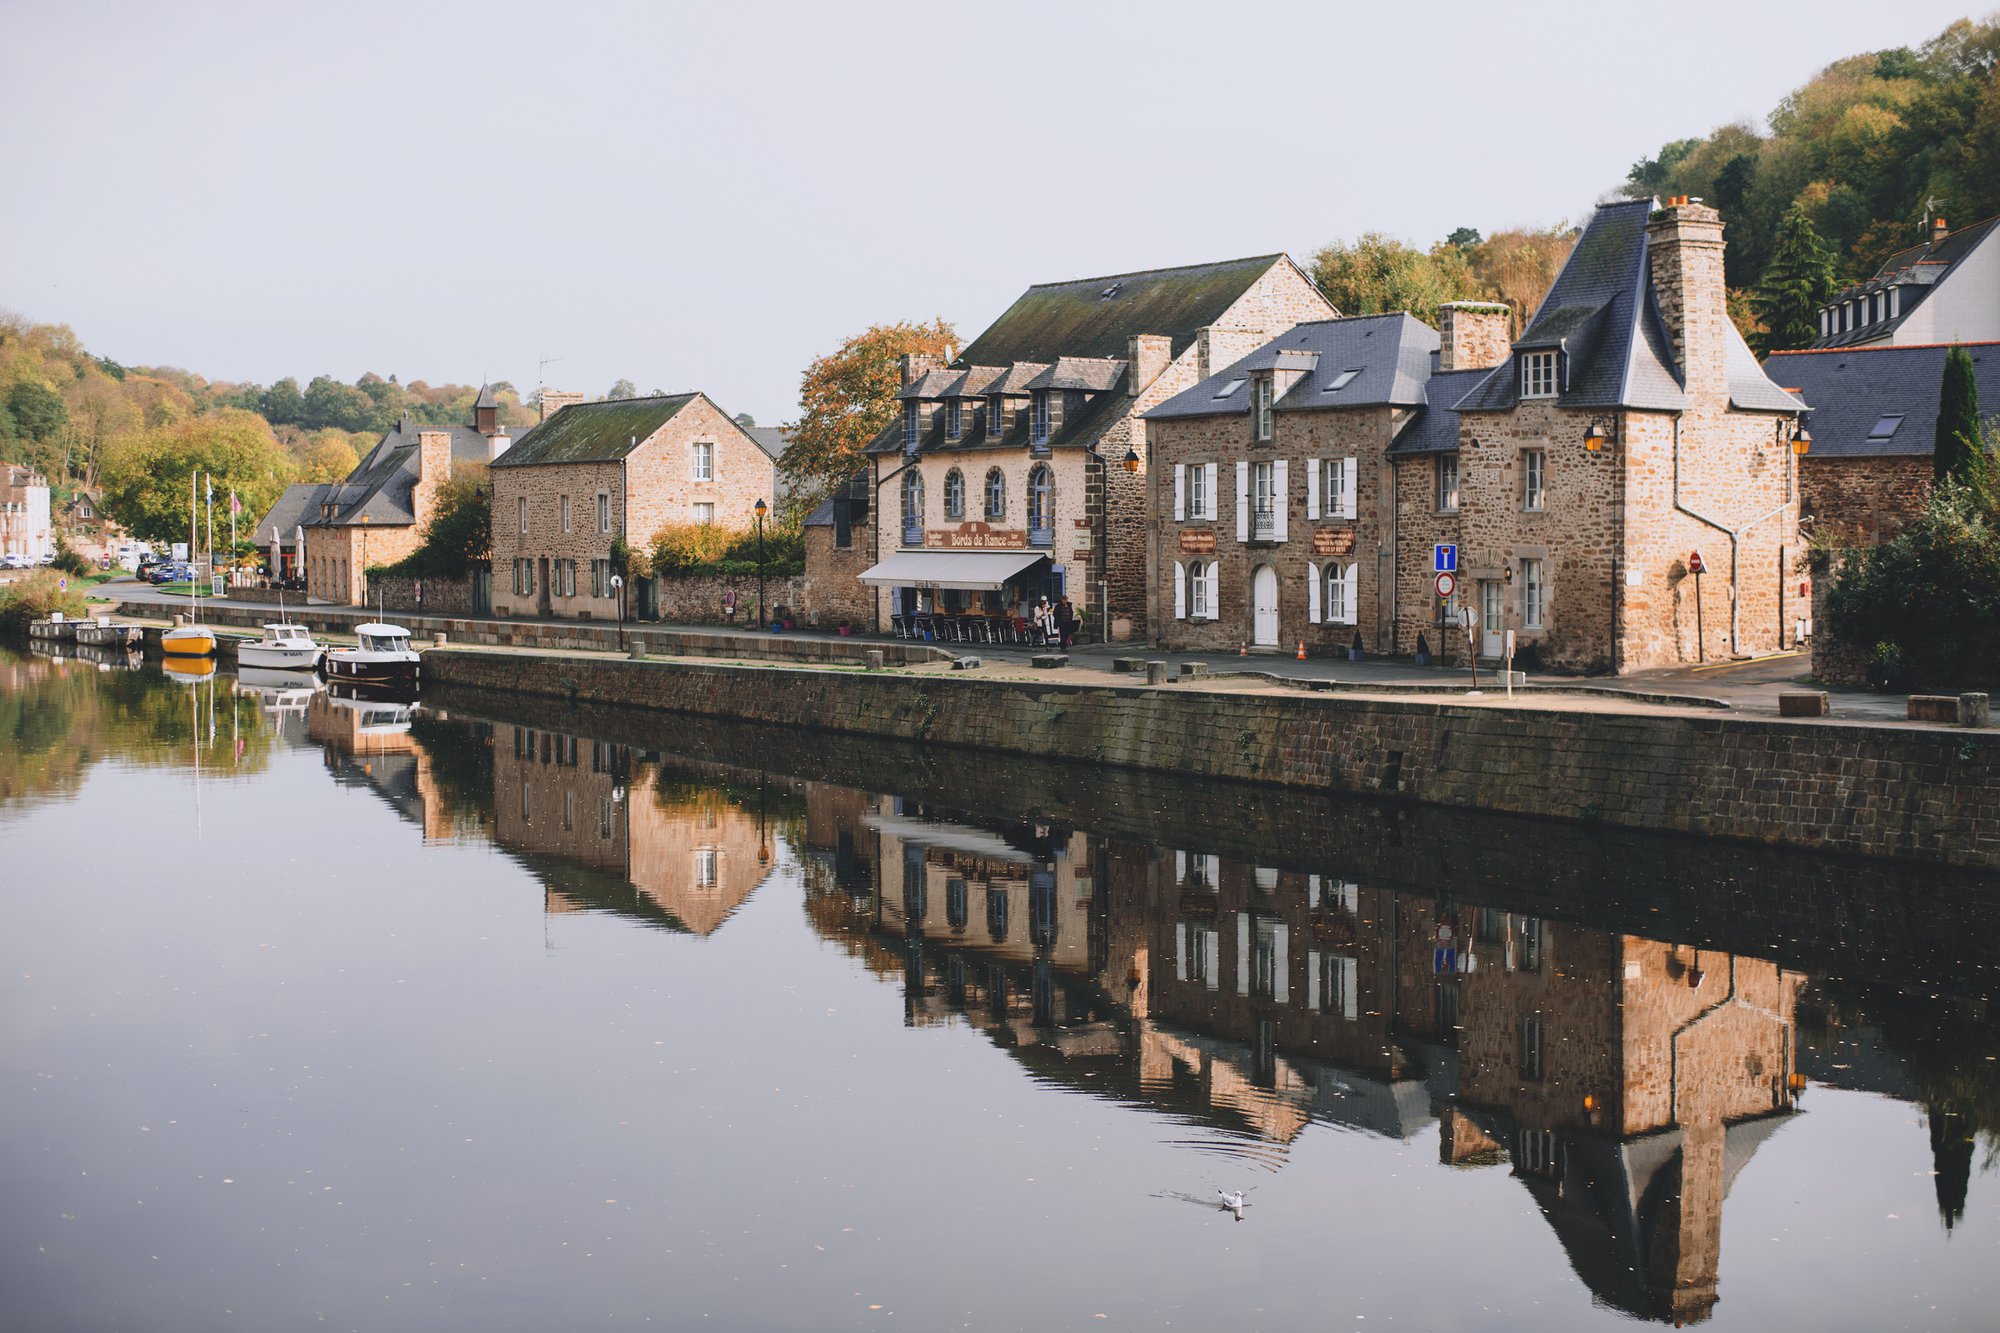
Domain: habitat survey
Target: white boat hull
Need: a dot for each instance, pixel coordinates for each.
(305, 658)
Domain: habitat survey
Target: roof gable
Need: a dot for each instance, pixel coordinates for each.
(1393, 354)
(1851, 389)
(595, 432)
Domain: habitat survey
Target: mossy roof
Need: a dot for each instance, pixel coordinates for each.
(1097, 316)
(594, 432)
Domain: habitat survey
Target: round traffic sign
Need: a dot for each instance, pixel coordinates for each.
(62, 585)
(1446, 583)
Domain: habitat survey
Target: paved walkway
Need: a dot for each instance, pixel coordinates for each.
(1749, 687)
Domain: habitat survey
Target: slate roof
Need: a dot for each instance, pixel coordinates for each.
(821, 517)
(1091, 374)
(378, 491)
(297, 506)
(486, 398)
(771, 439)
(1916, 270)
(1433, 429)
(1603, 313)
(1095, 317)
(1853, 388)
(594, 432)
(1393, 352)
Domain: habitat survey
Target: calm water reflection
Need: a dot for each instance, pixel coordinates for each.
(504, 1015)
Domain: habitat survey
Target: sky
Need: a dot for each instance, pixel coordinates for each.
(707, 196)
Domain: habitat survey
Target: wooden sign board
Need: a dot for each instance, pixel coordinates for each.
(975, 537)
(1333, 541)
(1200, 541)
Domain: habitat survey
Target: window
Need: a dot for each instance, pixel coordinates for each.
(1042, 417)
(603, 512)
(952, 418)
(564, 578)
(1260, 411)
(600, 578)
(1533, 594)
(1230, 388)
(569, 810)
(1884, 428)
(604, 817)
(1198, 588)
(913, 503)
(562, 506)
(1267, 958)
(704, 461)
(1534, 478)
(1340, 477)
(1538, 374)
(1447, 477)
(996, 415)
(1198, 497)
(996, 494)
(1263, 502)
(707, 867)
(1531, 1047)
(704, 511)
(1339, 986)
(1529, 938)
(521, 511)
(1041, 504)
(524, 578)
(1340, 381)
(954, 493)
(912, 419)
(1342, 594)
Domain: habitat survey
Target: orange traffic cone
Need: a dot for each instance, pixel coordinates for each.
(1243, 648)
(1302, 650)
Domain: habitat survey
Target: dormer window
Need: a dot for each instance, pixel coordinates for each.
(912, 418)
(996, 416)
(952, 419)
(1042, 417)
(1260, 408)
(1538, 374)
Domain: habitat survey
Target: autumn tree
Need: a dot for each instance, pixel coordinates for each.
(1518, 266)
(1800, 280)
(1378, 274)
(327, 459)
(845, 399)
(146, 476)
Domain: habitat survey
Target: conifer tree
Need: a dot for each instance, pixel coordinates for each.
(1958, 450)
(1799, 280)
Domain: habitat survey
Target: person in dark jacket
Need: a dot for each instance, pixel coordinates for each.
(1066, 621)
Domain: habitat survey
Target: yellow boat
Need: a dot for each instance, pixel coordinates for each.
(188, 641)
(187, 670)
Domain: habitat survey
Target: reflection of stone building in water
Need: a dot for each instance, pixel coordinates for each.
(608, 830)
(367, 742)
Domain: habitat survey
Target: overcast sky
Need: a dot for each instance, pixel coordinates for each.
(707, 196)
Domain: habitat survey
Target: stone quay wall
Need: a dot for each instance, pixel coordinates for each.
(1889, 792)
(697, 599)
(440, 597)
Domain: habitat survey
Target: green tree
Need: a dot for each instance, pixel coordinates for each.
(1379, 273)
(1799, 281)
(1958, 451)
(147, 476)
(745, 420)
(846, 397)
(622, 389)
(328, 402)
(283, 404)
(39, 411)
(459, 533)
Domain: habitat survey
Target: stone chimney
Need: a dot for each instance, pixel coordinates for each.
(916, 365)
(1939, 230)
(555, 400)
(433, 456)
(1474, 335)
(498, 443)
(1146, 359)
(1684, 248)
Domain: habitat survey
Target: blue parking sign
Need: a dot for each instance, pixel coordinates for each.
(1444, 559)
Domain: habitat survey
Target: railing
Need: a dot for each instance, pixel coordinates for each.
(1263, 526)
(1042, 537)
(913, 533)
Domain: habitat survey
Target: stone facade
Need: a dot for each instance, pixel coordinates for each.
(554, 523)
(834, 576)
(432, 596)
(1863, 500)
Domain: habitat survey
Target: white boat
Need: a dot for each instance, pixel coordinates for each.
(381, 656)
(284, 647)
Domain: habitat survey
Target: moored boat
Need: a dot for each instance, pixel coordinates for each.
(188, 641)
(381, 656)
(284, 647)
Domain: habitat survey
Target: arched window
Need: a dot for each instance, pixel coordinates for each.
(1041, 504)
(996, 494)
(954, 494)
(913, 498)
(1198, 585)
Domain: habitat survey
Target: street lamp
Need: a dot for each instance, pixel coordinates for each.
(1131, 459)
(762, 612)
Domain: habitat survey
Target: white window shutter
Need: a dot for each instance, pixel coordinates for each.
(1208, 494)
(1180, 591)
(1353, 597)
(1281, 964)
(1180, 950)
(1211, 947)
(1312, 593)
(1348, 477)
(1242, 499)
(1312, 977)
(1213, 573)
(1312, 488)
(1242, 953)
(1281, 501)
(1180, 491)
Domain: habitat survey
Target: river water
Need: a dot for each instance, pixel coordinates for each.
(497, 1015)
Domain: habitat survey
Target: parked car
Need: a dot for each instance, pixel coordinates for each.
(14, 560)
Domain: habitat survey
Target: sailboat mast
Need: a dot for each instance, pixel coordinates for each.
(194, 540)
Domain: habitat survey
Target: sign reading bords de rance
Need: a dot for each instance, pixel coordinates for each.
(976, 537)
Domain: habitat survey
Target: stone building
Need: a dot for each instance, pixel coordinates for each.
(376, 515)
(838, 552)
(1945, 289)
(594, 474)
(25, 527)
(1873, 425)
(1020, 469)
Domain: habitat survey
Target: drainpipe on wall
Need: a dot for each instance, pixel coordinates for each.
(1734, 535)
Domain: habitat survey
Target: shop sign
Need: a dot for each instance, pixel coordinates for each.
(975, 537)
(1199, 541)
(1333, 541)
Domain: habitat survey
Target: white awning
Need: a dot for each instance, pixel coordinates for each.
(974, 571)
(954, 837)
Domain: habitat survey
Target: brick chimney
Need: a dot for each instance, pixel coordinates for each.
(555, 400)
(1939, 230)
(1684, 248)
(916, 365)
(1146, 359)
(433, 456)
(1474, 335)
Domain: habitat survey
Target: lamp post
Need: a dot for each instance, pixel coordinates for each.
(762, 611)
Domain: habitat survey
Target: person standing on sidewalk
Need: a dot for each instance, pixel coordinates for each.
(1066, 621)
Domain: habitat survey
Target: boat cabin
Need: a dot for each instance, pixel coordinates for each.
(382, 638)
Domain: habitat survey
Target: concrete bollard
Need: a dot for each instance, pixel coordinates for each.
(638, 652)
(437, 639)
(1156, 673)
(180, 619)
(1973, 710)
(874, 659)
(1193, 669)
(1803, 703)
(1127, 664)
(1933, 708)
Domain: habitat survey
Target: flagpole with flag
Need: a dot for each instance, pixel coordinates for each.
(234, 505)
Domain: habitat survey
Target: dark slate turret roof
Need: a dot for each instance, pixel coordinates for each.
(1433, 429)
(486, 398)
(595, 432)
(1393, 353)
(1095, 317)
(1917, 271)
(1852, 390)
